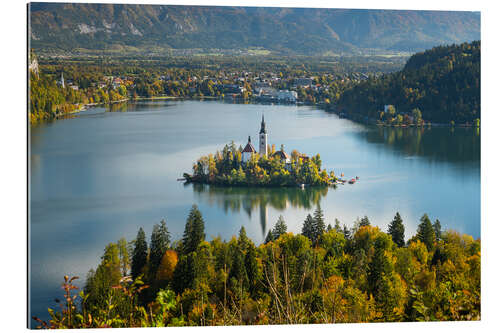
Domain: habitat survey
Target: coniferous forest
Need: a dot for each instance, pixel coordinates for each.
(325, 274)
(444, 83)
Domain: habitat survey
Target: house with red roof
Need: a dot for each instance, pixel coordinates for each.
(248, 151)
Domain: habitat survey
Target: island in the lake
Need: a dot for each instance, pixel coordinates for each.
(267, 167)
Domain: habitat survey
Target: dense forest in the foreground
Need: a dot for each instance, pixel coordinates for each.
(444, 83)
(329, 274)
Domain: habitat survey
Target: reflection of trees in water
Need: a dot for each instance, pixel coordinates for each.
(248, 199)
(134, 106)
(436, 143)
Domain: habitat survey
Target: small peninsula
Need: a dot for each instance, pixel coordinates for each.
(267, 167)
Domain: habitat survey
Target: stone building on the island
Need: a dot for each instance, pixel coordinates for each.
(283, 156)
(248, 151)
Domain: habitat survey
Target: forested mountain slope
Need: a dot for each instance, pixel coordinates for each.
(444, 83)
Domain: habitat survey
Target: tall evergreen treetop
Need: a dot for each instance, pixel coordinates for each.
(140, 253)
(437, 229)
(194, 231)
(397, 230)
(279, 228)
(364, 222)
(308, 228)
(243, 240)
(269, 237)
(160, 241)
(319, 223)
(425, 232)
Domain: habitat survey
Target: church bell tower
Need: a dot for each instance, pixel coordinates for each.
(263, 138)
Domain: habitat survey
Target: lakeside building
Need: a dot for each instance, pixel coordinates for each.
(274, 95)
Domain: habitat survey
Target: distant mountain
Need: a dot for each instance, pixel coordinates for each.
(63, 26)
(443, 82)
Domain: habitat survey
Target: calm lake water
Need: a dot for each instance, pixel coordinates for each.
(101, 175)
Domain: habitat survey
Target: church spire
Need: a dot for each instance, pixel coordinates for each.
(263, 126)
(62, 80)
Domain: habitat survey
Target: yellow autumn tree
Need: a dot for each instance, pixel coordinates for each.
(167, 266)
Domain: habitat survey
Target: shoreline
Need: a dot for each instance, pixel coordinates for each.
(321, 106)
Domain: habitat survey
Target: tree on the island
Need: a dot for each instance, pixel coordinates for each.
(397, 230)
(426, 233)
(364, 222)
(417, 116)
(279, 228)
(346, 232)
(391, 110)
(308, 228)
(337, 226)
(399, 119)
(140, 254)
(437, 229)
(160, 241)
(381, 115)
(194, 231)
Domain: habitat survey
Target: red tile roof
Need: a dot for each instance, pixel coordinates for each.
(249, 148)
(281, 154)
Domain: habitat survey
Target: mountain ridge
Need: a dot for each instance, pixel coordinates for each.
(67, 26)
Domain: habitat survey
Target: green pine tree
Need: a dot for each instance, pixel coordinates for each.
(160, 241)
(437, 229)
(426, 233)
(397, 230)
(194, 231)
(243, 241)
(139, 254)
(308, 227)
(252, 268)
(364, 222)
(319, 223)
(279, 228)
(269, 237)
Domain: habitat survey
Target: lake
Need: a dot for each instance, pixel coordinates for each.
(101, 175)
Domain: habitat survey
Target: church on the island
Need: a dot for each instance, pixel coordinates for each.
(249, 149)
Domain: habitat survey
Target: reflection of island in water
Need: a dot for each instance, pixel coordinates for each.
(248, 199)
(456, 145)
